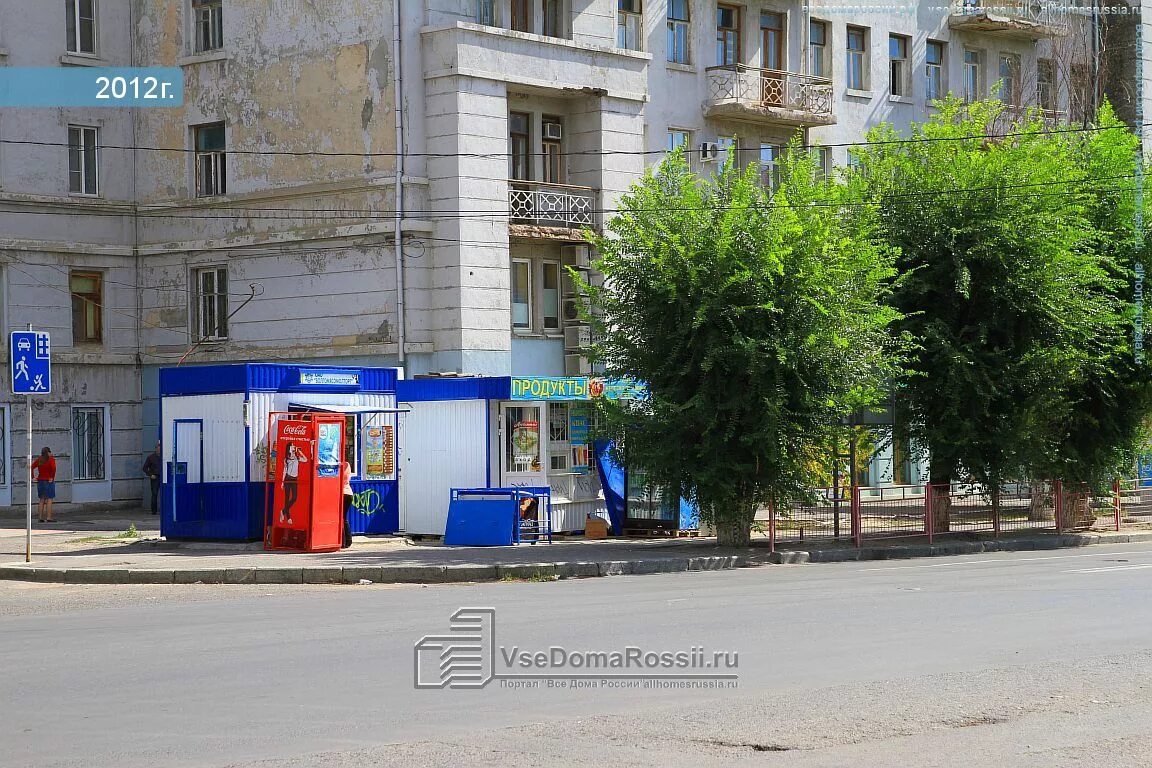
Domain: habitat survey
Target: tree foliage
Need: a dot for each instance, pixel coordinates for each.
(754, 323)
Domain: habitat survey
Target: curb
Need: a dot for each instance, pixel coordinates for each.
(544, 571)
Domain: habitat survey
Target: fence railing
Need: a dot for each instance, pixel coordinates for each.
(551, 205)
(766, 88)
(932, 511)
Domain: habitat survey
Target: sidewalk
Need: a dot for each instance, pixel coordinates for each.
(85, 550)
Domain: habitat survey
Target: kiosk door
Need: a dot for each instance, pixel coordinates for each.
(523, 451)
(187, 469)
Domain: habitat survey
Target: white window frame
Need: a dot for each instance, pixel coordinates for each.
(1046, 88)
(216, 298)
(527, 327)
(73, 42)
(899, 83)
(1010, 87)
(935, 68)
(215, 160)
(679, 29)
(207, 16)
(559, 327)
(679, 137)
(818, 54)
(488, 13)
(769, 162)
(80, 152)
(559, 444)
(973, 74)
(859, 57)
(630, 25)
(102, 410)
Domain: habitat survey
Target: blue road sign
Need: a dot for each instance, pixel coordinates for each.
(31, 356)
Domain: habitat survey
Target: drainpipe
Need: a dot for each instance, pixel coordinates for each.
(398, 234)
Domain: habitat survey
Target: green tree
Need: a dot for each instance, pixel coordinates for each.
(753, 322)
(1001, 286)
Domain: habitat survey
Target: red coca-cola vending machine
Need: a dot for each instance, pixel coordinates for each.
(304, 506)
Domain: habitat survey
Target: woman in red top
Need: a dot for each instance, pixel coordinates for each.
(44, 472)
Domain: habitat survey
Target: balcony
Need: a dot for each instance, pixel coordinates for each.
(770, 96)
(551, 211)
(1019, 19)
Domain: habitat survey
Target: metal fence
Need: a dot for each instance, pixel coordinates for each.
(934, 511)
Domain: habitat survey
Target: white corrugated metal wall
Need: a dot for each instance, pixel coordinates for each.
(443, 446)
(223, 417)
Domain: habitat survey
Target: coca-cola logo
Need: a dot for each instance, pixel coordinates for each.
(299, 430)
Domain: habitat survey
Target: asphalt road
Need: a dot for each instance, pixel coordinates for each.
(1015, 659)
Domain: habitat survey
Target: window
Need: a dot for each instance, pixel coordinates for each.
(83, 160)
(211, 168)
(1046, 85)
(934, 71)
(770, 165)
(824, 159)
(971, 75)
(211, 309)
(678, 31)
(1080, 93)
(1009, 78)
(351, 441)
(858, 58)
(520, 151)
(553, 156)
(725, 145)
(554, 18)
(81, 17)
(678, 138)
(550, 294)
(87, 289)
(521, 294)
(521, 20)
(558, 436)
(818, 49)
(88, 444)
(208, 16)
(898, 65)
(486, 12)
(522, 425)
(773, 37)
(630, 25)
(727, 35)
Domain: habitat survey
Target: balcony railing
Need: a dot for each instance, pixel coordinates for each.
(786, 97)
(1026, 18)
(551, 205)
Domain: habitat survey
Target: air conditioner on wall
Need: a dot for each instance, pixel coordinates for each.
(709, 151)
(552, 132)
(576, 365)
(571, 310)
(577, 337)
(576, 256)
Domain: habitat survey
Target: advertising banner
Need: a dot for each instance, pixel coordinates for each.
(379, 452)
(292, 482)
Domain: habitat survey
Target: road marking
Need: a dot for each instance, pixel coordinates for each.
(1110, 568)
(1006, 560)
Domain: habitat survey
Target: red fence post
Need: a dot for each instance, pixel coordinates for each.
(857, 527)
(928, 511)
(1116, 501)
(1058, 504)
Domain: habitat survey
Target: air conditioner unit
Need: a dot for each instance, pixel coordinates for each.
(709, 151)
(595, 279)
(577, 337)
(571, 310)
(576, 256)
(552, 132)
(576, 365)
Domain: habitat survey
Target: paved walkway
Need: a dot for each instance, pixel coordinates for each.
(85, 548)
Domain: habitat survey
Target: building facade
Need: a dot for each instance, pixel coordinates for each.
(403, 183)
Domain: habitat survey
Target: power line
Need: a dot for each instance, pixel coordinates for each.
(573, 153)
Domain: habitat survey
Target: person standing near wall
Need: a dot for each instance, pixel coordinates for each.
(44, 473)
(346, 481)
(152, 469)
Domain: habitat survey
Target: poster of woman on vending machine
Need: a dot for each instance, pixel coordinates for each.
(294, 457)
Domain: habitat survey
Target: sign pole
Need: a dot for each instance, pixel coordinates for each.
(28, 528)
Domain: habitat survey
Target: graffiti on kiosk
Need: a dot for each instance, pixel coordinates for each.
(367, 502)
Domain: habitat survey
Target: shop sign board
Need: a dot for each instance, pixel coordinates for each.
(329, 378)
(560, 388)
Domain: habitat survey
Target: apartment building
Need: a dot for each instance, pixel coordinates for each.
(402, 183)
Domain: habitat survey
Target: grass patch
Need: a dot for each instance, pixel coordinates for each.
(535, 578)
(131, 533)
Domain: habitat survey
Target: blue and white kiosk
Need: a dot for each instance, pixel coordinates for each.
(214, 427)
